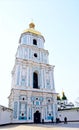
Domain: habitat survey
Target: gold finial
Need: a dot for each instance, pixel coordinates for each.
(31, 25)
(62, 91)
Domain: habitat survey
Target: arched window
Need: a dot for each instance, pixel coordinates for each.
(34, 42)
(35, 80)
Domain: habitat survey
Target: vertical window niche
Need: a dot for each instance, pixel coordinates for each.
(34, 42)
(23, 39)
(35, 80)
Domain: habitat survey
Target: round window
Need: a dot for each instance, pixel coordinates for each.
(35, 54)
(23, 98)
(22, 114)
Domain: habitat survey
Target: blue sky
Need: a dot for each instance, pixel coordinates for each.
(58, 21)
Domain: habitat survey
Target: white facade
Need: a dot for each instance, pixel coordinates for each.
(33, 95)
(72, 114)
(5, 115)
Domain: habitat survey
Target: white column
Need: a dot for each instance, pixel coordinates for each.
(23, 52)
(27, 76)
(44, 78)
(40, 56)
(46, 58)
(31, 77)
(54, 108)
(18, 110)
(33, 111)
(27, 111)
(17, 76)
(46, 111)
(20, 75)
(28, 53)
(27, 39)
(42, 82)
(54, 113)
(51, 80)
(42, 112)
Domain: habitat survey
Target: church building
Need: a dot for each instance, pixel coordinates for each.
(33, 97)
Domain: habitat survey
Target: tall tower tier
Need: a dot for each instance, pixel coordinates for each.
(33, 96)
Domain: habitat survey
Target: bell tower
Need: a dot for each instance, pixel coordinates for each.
(33, 92)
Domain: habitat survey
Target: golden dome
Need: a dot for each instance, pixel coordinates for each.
(31, 29)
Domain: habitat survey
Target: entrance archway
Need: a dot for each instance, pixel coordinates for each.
(35, 80)
(37, 117)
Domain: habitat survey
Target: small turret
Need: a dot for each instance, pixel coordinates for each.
(63, 96)
(58, 97)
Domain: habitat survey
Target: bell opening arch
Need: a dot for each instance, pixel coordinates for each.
(35, 80)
